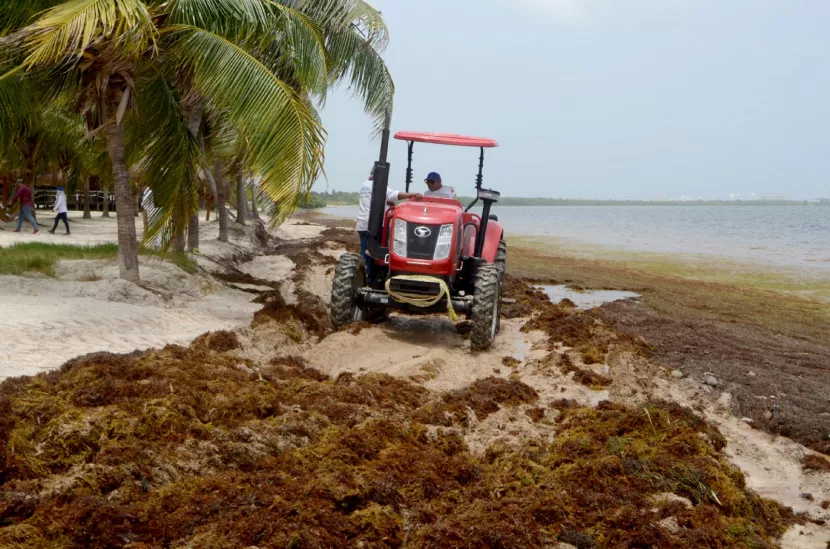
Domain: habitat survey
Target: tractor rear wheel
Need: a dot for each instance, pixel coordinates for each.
(349, 277)
(486, 308)
(501, 260)
(501, 263)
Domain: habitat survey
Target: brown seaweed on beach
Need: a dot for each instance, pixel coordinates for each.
(189, 446)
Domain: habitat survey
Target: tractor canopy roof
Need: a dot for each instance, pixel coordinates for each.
(447, 139)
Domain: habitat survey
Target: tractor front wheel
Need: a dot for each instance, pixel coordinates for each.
(486, 308)
(349, 277)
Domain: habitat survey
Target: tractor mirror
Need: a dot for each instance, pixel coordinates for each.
(491, 196)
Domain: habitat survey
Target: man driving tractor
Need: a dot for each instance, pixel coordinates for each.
(436, 188)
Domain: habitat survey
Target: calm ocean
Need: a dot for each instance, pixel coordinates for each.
(784, 236)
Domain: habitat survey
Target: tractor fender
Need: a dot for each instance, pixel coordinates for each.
(495, 232)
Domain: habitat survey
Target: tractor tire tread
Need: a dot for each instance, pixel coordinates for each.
(343, 291)
(501, 263)
(501, 260)
(487, 292)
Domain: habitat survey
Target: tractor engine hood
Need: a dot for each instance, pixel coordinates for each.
(425, 235)
(430, 210)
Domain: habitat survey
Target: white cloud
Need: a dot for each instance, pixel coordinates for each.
(577, 11)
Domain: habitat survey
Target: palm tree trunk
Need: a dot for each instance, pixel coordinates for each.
(241, 198)
(127, 241)
(214, 189)
(87, 214)
(193, 232)
(31, 170)
(254, 212)
(180, 222)
(5, 180)
(31, 180)
(106, 204)
(221, 197)
(144, 221)
(194, 122)
(178, 240)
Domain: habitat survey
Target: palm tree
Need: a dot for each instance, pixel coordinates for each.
(321, 44)
(106, 54)
(48, 141)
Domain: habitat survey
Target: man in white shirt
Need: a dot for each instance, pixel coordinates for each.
(436, 188)
(362, 223)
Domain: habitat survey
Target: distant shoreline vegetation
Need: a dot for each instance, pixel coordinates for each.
(322, 200)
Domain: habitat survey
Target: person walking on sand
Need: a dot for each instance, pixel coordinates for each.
(24, 195)
(362, 222)
(60, 207)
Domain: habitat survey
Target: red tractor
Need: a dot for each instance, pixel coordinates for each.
(430, 255)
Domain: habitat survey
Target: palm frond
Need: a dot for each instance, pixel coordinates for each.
(328, 13)
(64, 32)
(353, 59)
(61, 132)
(14, 100)
(297, 40)
(286, 140)
(340, 14)
(166, 156)
(15, 14)
(355, 36)
(223, 138)
(77, 171)
(226, 17)
(370, 23)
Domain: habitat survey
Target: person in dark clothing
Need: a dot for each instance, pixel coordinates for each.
(60, 207)
(24, 195)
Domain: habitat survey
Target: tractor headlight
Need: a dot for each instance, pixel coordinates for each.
(399, 244)
(444, 245)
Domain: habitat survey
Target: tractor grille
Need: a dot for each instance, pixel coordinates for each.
(416, 287)
(421, 247)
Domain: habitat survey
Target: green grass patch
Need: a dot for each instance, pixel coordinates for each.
(42, 258)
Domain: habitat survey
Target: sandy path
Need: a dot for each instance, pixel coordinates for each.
(85, 232)
(40, 334)
(46, 321)
(404, 345)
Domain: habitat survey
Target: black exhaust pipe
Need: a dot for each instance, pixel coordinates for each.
(378, 207)
(380, 186)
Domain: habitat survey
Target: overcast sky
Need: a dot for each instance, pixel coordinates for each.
(605, 98)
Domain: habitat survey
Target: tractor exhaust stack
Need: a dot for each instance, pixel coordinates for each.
(379, 188)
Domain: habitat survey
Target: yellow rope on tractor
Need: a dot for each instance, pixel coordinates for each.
(424, 301)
